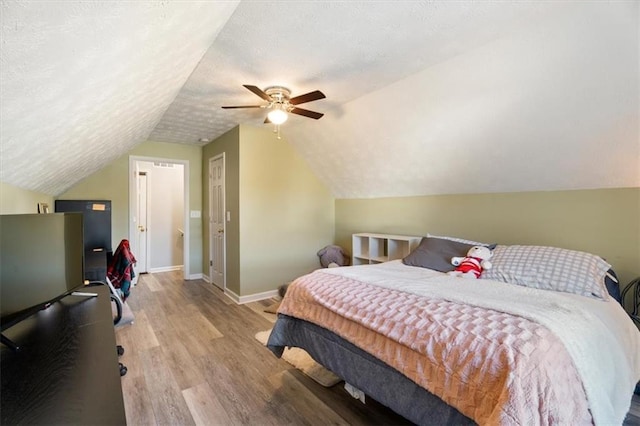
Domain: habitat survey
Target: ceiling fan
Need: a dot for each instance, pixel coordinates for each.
(280, 103)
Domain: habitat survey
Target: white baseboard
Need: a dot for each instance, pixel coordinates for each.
(165, 269)
(206, 278)
(241, 300)
(231, 295)
(196, 277)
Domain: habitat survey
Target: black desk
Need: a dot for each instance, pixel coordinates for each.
(67, 369)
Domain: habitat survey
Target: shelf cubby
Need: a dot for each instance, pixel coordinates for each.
(368, 248)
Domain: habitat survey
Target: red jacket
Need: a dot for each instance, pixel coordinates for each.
(120, 270)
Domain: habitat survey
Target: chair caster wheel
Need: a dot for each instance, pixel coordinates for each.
(120, 350)
(123, 369)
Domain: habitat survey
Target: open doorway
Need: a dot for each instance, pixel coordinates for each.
(158, 214)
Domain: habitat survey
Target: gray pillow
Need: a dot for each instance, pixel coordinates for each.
(436, 253)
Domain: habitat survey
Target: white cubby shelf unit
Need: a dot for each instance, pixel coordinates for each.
(368, 248)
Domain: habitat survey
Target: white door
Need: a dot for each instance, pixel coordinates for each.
(216, 222)
(142, 230)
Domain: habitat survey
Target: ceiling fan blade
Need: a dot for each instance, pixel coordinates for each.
(244, 106)
(307, 97)
(258, 92)
(306, 113)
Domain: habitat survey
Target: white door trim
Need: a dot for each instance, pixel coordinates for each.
(147, 177)
(224, 220)
(133, 194)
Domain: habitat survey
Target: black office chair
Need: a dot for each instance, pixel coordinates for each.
(116, 302)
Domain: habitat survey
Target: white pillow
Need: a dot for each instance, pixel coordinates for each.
(550, 268)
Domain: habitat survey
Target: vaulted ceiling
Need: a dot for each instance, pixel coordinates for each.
(422, 97)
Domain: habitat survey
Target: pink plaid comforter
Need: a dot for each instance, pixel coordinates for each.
(494, 367)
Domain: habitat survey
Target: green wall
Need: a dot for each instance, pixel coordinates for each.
(14, 200)
(600, 221)
(286, 213)
(289, 215)
(281, 214)
(112, 183)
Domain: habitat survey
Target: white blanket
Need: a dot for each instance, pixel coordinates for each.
(599, 336)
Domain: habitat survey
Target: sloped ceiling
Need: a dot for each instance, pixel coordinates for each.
(422, 98)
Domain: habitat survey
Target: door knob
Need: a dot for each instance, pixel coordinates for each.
(140, 228)
(220, 231)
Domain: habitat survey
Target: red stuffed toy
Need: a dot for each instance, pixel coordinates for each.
(472, 265)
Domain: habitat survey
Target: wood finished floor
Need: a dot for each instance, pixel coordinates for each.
(192, 359)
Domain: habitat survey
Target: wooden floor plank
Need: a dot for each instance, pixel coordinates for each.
(287, 388)
(194, 323)
(169, 406)
(141, 332)
(230, 388)
(192, 359)
(204, 406)
(177, 354)
(137, 402)
(152, 283)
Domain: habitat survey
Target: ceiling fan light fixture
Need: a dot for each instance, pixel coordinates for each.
(277, 116)
(280, 104)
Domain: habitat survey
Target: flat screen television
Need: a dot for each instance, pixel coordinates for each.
(41, 261)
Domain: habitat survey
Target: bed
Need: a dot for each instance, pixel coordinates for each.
(525, 344)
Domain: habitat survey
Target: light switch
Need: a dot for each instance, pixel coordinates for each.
(195, 214)
(228, 216)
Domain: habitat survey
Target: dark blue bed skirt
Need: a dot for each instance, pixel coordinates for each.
(364, 371)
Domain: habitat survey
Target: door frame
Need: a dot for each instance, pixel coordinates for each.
(133, 196)
(224, 219)
(147, 242)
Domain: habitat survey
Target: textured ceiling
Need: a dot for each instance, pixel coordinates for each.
(344, 49)
(84, 82)
(422, 97)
